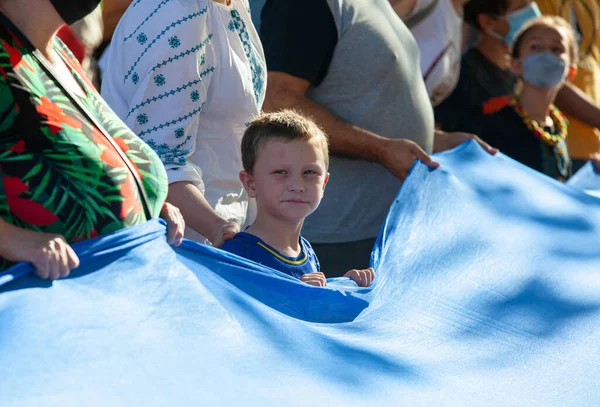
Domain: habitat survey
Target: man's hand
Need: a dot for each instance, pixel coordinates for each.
(399, 155)
(446, 141)
(363, 278)
(175, 224)
(50, 254)
(223, 231)
(317, 279)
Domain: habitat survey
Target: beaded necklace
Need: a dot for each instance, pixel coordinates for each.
(559, 120)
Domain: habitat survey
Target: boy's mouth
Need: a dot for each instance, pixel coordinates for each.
(296, 201)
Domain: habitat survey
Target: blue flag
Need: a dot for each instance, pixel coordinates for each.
(487, 293)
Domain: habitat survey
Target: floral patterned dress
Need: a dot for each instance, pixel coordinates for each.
(68, 164)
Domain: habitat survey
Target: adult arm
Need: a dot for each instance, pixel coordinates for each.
(573, 101)
(188, 198)
(285, 91)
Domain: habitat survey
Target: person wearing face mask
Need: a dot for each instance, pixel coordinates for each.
(580, 101)
(70, 170)
(527, 126)
(485, 72)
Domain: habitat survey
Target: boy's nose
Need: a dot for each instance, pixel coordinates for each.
(296, 187)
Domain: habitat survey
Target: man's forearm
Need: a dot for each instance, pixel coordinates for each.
(196, 211)
(573, 101)
(344, 138)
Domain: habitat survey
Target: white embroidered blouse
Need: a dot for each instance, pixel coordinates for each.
(187, 76)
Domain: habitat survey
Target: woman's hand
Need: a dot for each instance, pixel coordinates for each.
(50, 254)
(175, 224)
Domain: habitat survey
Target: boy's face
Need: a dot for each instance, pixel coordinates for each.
(288, 179)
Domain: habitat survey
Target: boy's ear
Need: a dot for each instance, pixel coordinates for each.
(572, 72)
(248, 183)
(326, 181)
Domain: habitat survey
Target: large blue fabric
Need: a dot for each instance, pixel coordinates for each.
(487, 294)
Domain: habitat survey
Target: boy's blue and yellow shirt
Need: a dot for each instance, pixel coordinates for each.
(255, 249)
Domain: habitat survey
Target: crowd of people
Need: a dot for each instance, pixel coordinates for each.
(234, 120)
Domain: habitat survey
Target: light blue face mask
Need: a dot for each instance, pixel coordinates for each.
(544, 70)
(516, 20)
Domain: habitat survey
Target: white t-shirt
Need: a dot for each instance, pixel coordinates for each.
(439, 36)
(187, 76)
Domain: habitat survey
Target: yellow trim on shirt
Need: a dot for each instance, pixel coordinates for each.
(280, 257)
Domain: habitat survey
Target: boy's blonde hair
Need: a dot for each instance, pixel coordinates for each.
(547, 21)
(285, 125)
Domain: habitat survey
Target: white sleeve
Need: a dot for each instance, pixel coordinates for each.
(159, 71)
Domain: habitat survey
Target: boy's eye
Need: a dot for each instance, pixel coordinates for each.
(283, 172)
(310, 172)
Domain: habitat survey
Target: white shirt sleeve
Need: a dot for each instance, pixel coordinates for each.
(157, 79)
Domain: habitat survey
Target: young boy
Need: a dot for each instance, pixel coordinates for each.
(285, 158)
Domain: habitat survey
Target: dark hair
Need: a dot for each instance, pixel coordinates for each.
(475, 7)
(552, 22)
(284, 125)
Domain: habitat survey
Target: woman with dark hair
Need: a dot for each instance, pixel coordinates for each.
(70, 170)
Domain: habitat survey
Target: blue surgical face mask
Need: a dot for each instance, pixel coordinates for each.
(544, 70)
(516, 20)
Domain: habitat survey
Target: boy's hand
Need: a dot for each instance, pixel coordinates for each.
(175, 224)
(363, 278)
(317, 279)
(50, 254)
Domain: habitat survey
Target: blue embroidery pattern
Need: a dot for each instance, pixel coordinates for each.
(180, 132)
(142, 119)
(170, 123)
(202, 59)
(142, 38)
(163, 32)
(231, 26)
(183, 54)
(135, 78)
(174, 42)
(171, 155)
(255, 67)
(195, 96)
(159, 80)
(171, 92)
(162, 3)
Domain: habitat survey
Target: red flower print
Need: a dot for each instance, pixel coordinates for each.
(55, 115)
(19, 147)
(125, 148)
(111, 157)
(16, 59)
(80, 238)
(131, 201)
(28, 211)
(122, 144)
